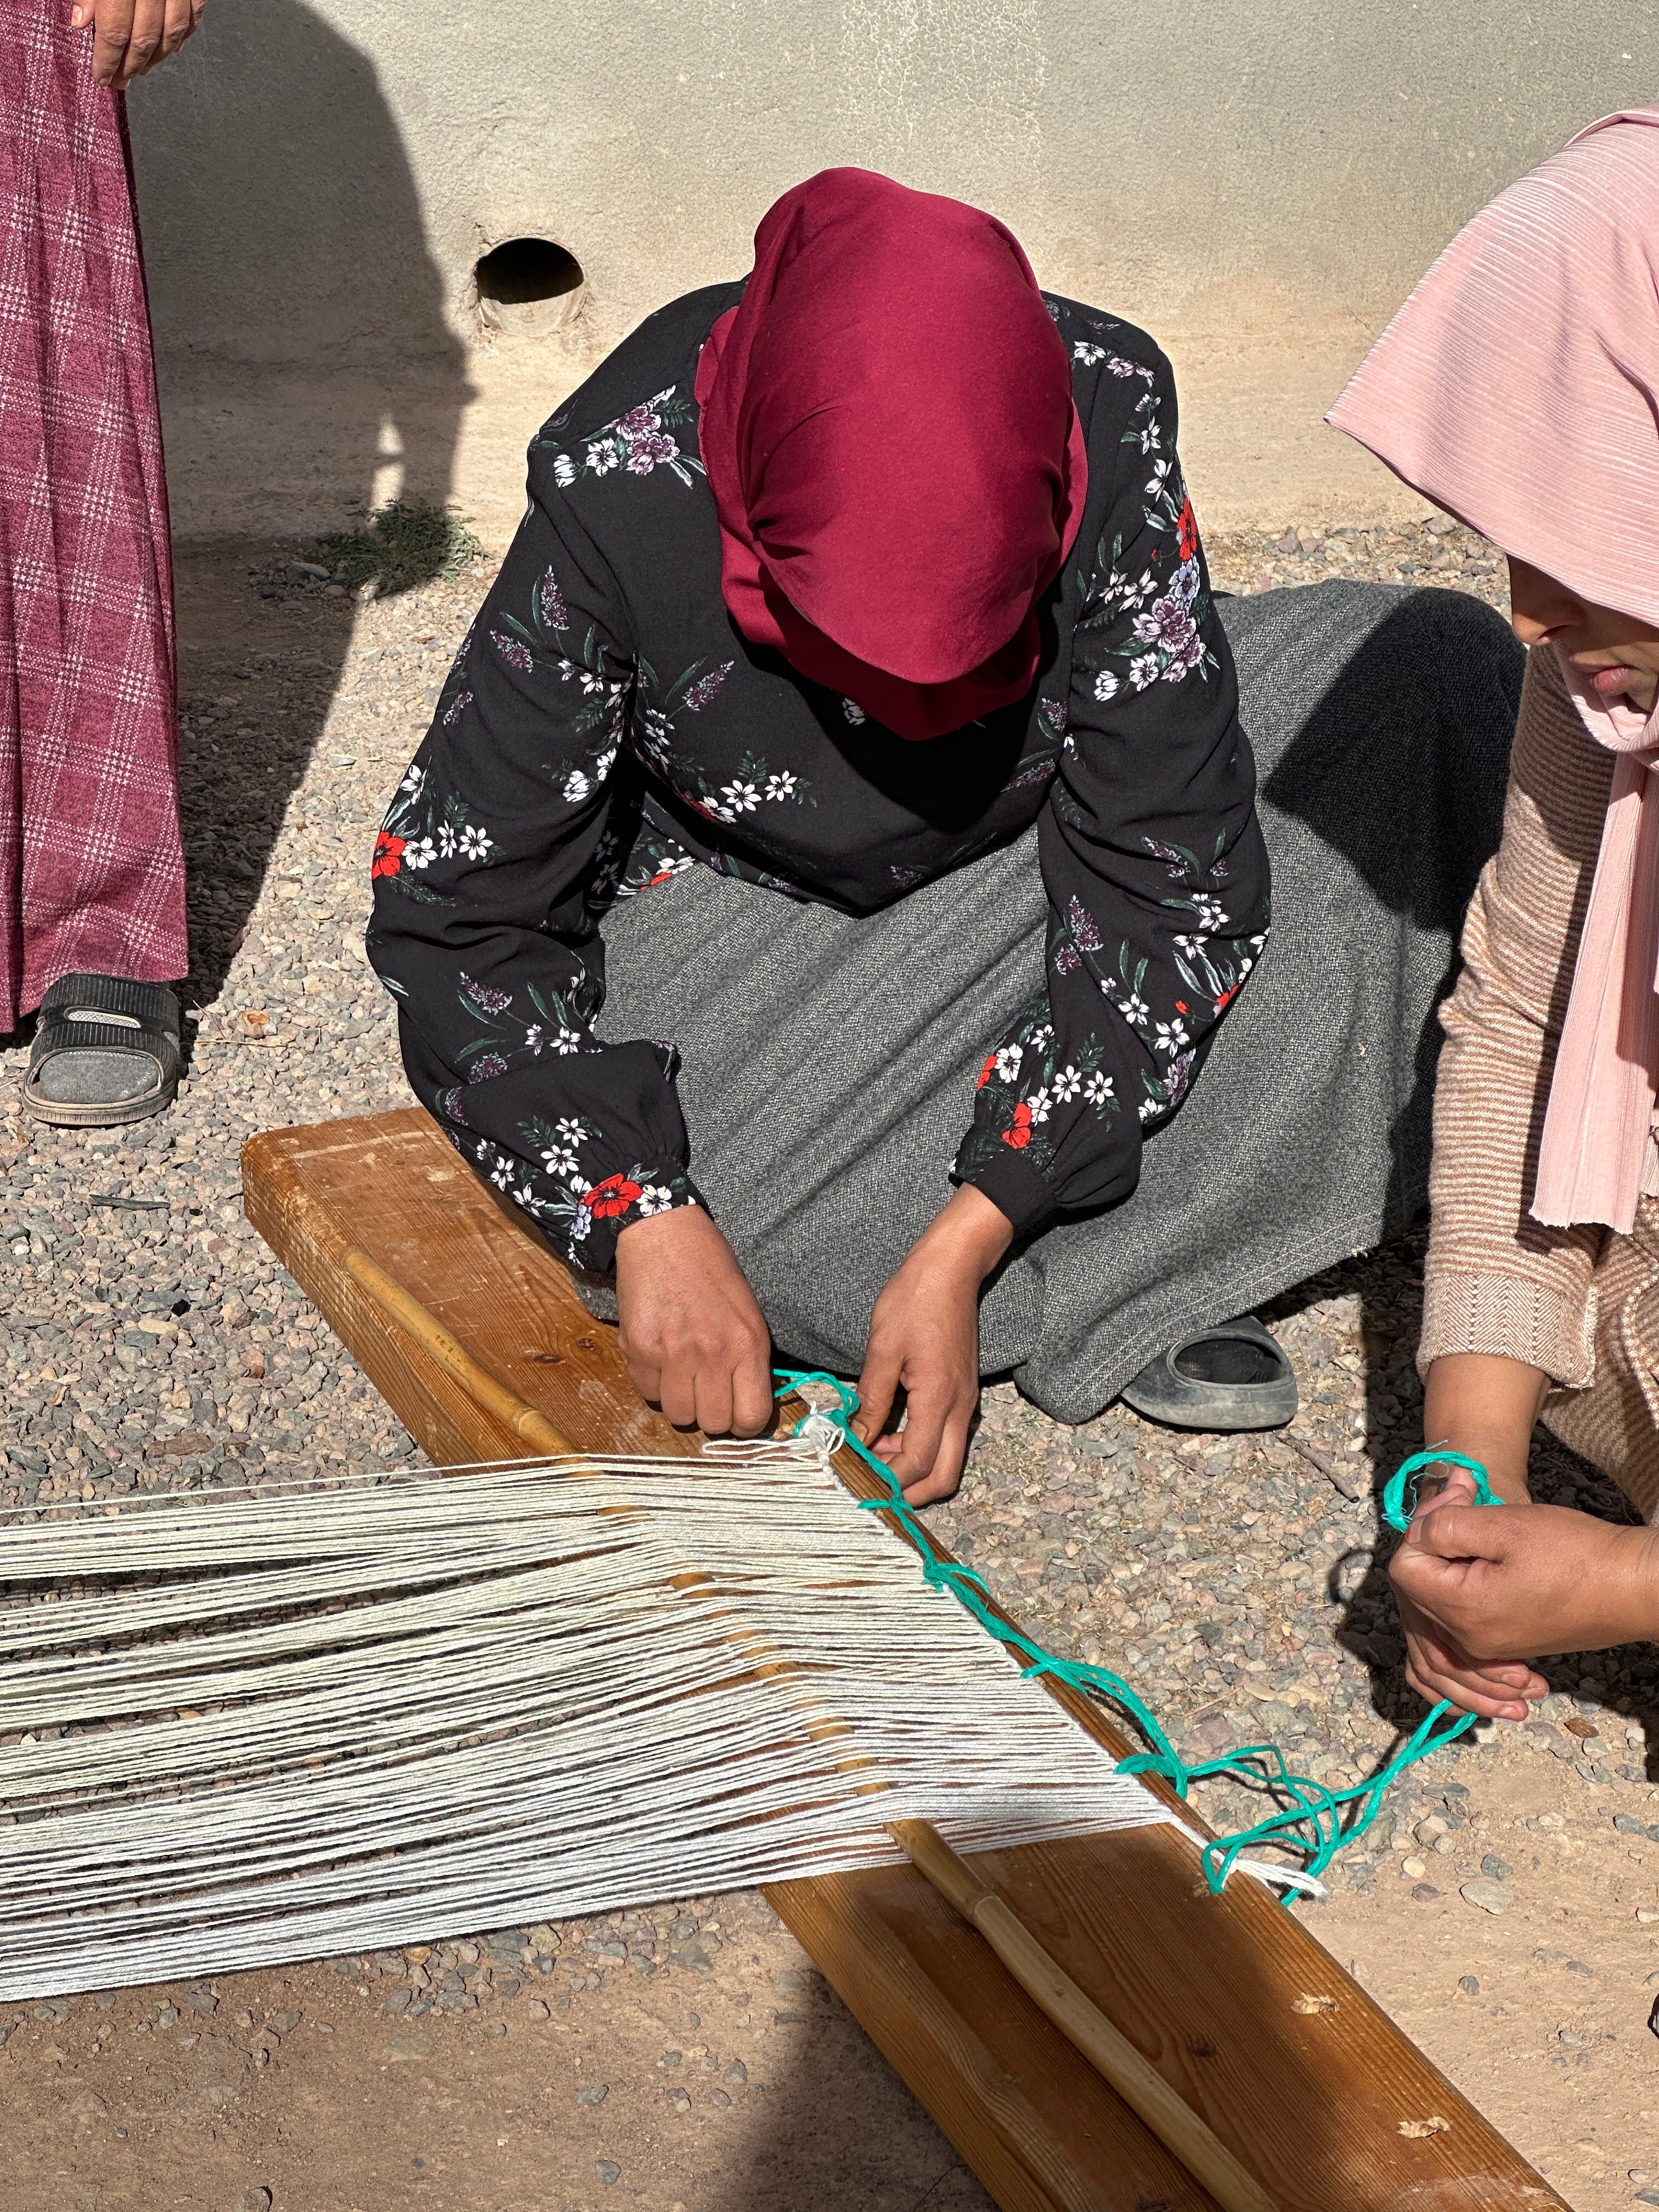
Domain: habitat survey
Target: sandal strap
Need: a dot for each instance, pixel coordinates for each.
(147, 1024)
(153, 1006)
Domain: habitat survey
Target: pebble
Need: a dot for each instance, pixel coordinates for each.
(1490, 1895)
(1413, 1869)
(594, 2094)
(608, 2170)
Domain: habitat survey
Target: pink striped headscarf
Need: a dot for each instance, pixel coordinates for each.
(1518, 388)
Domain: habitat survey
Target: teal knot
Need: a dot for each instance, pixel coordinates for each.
(1396, 1511)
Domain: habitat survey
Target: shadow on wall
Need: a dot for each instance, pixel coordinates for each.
(300, 326)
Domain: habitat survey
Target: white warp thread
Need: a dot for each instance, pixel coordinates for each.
(268, 1724)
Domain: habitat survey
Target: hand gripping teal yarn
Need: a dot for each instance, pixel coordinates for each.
(1317, 1822)
(1395, 1511)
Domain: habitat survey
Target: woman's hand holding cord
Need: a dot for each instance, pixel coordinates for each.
(924, 1340)
(1486, 1407)
(695, 1340)
(1491, 1586)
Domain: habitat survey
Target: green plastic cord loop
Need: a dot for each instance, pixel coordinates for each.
(1395, 1510)
(1312, 1823)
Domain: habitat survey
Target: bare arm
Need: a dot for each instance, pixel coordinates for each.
(1486, 1407)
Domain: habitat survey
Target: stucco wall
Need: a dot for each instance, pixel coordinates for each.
(1261, 178)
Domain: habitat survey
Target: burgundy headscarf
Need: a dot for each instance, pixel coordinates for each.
(899, 471)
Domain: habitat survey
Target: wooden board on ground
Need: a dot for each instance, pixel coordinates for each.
(1328, 2103)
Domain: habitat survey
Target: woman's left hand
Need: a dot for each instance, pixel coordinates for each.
(924, 1340)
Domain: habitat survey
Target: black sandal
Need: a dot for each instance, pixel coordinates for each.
(105, 1051)
(1233, 1376)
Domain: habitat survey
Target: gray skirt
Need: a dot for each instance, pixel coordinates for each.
(827, 1062)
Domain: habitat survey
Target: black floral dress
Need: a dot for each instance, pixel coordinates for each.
(605, 727)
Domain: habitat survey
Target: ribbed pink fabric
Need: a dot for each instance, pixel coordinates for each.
(1518, 388)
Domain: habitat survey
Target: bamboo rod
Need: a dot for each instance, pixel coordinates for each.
(507, 1406)
(1106, 2049)
(1081, 2021)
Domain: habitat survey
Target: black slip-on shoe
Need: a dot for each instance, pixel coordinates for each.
(1233, 1376)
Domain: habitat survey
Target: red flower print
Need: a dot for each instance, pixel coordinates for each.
(388, 856)
(1020, 1135)
(987, 1071)
(1227, 999)
(1187, 531)
(611, 1197)
(1180, 1006)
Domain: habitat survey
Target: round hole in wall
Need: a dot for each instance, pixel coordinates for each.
(521, 272)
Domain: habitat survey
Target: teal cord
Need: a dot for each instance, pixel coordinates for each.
(1314, 1821)
(1397, 1512)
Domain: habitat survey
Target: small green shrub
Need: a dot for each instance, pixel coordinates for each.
(404, 543)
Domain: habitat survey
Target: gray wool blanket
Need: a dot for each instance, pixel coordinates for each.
(829, 1062)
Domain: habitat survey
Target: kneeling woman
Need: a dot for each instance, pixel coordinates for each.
(842, 797)
(1517, 388)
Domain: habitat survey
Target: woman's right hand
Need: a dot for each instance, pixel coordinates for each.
(695, 1342)
(130, 37)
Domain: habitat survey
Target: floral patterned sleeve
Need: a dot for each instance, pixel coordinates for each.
(481, 928)
(1151, 853)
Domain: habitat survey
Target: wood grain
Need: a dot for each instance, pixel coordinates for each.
(1205, 1988)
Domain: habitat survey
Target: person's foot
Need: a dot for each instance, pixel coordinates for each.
(105, 1051)
(1233, 1376)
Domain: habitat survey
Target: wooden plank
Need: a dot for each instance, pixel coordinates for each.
(1313, 2103)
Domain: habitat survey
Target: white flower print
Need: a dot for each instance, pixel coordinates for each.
(577, 785)
(1098, 1089)
(445, 841)
(1211, 912)
(573, 1131)
(1155, 483)
(782, 785)
(1192, 946)
(603, 765)
(1133, 1008)
(1043, 1038)
(1170, 1037)
(655, 1198)
(1151, 437)
(413, 779)
(1066, 1084)
(567, 1041)
(558, 1160)
(501, 1174)
(419, 853)
(602, 457)
(532, 1039)
(1039, 1102)
(741, 798)
(1087, 354)
(474, 843)
(1008, 1061)
(1148, 1107)
(564, 469)
(1106, 685)
(853, 711)
(1143, 670)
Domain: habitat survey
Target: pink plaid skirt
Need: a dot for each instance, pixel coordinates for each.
(91, 873)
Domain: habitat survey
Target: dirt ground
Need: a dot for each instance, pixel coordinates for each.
(706, 2088)
(550, 2080)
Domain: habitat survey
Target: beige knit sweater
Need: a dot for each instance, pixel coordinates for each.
(1496, 1280)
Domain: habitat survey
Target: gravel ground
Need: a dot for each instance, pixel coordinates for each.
(149, 1342)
